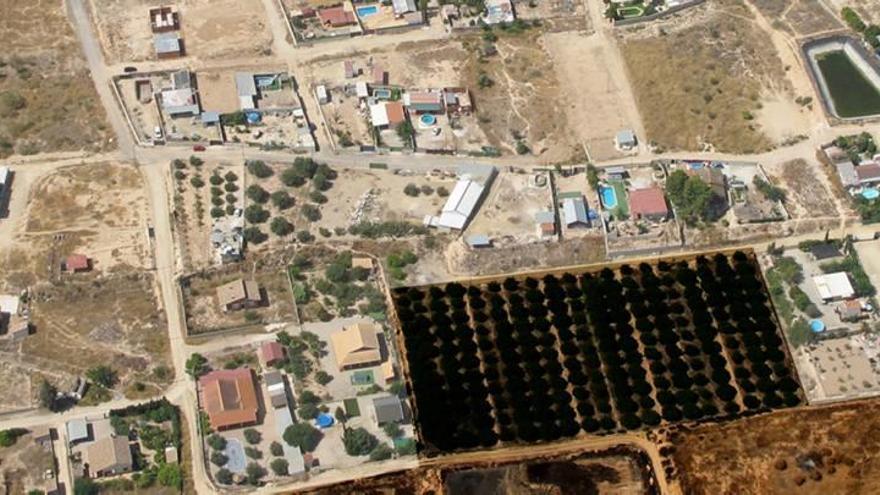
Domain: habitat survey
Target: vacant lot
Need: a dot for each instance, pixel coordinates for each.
(47, 101)
(798, 17)
(25, 464)
(701, 85)
(102, 206)
(109, 320)
(210, 29)
(807, 196)
(818, 451)
(516, 92)
(507, 215)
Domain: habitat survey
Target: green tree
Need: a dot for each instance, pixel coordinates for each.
(311, 212)
(102, 375)
(253, 452)
(358, 441)
(340, 416)
(381, 452)
(593, 177)
(291, 178)
(282, 200)
(253, 235)
(393, 430)
(259, 169)
(323, 378)
(308, 411)
(252, 436)
(224, 476)
(219, 459)
(256, 214)
(276, 449)
(47, 394)
(196, 365)
(406, 132)
(255, 473)
(302, 435)
(197, 182)
(304, 236)
(216, 442)
(170, 475)
(411, 190)
(195, 161)
(86, 486)
(257, 194)
(9, 436)
(690, 196)
(281, 227)
(279, 467)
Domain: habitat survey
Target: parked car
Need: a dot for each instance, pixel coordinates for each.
(198, 147)
(130, 68)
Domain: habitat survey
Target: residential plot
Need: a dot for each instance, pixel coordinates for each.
(512, 211)
(49, 101)
(29, 462)
(210, 29)
(556, 15)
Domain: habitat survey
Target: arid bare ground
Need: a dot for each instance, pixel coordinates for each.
(47, 101)
(810, 451)
(702, 80)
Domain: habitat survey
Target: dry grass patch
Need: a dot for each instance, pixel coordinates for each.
(47, 100)
(109, 320)
(769, 454)
(700, 85)
(810, 196)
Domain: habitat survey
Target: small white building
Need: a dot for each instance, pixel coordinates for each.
(832, 286)
(323, 96)
(625, 140)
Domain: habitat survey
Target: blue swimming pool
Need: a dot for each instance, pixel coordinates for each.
(367, 11)
(324, 420)
(428, 119)
(871, 193)
(609, 197)
(817, 326)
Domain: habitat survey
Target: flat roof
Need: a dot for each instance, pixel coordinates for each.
(77, 429)
(245, 84)
(834, 285)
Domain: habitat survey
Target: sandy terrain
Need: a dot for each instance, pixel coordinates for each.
(814, 451)
(49, 102)
(211, 29)
(733, 68)
(508, 212)
(598, 105)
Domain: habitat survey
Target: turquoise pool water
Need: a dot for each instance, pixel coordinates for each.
(367, 11)
(609, 197)
(817, 326)
(428, 119)
(871, 193)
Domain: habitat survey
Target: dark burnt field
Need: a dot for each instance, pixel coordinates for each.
(543, 357)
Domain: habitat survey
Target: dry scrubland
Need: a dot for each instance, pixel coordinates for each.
(798, 17)
(701, 81)
(47, 101)
(763, 455)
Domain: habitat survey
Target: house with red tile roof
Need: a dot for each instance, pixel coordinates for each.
(77, 263)
(229, 397)
(272, 353)
(336, 16)
(648, 203)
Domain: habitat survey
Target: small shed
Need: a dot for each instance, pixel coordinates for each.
(321, 93)
(478, 241)
(77, 430)
(77, 263)
(272, 353)
(625, 140)
(388, 410)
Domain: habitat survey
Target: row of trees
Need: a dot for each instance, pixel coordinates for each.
(541, 359)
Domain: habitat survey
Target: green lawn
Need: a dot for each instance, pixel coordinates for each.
(352, 410)
(622, 208)
(632, 11)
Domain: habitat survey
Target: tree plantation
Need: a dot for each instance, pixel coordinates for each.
(544, 357)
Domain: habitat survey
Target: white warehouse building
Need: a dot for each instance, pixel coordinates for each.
(464, 199)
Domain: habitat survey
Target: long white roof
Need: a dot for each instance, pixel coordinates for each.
(378, 115)
(834, 285)
(461, 204)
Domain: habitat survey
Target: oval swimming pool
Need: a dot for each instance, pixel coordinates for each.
(428, 119)
(870, 193)
(609, 197)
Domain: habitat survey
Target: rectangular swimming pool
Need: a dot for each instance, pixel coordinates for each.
(367, 10)
(852, 92)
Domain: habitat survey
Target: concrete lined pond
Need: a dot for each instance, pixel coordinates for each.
(847, 78)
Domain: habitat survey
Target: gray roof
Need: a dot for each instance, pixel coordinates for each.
(167, 43)
(244, 82)
(545, 217)
(4, 175)
(273, 378)
(77, 429)
(388, 409)
(210, 117)
(626, 136)
(574, 211)
(478, 240)
(403, 6)
(616, 170)
(847, 172)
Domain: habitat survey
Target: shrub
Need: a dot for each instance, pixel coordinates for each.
(102, 375)
(256, 214)
(217, 212)
(302, 435)
(252, 436)
(216, 442)
(311, 212)
(197, 182)
(195, 161)
(9, 436)
(282, 200)
(381, 452)
(323, 378)
(219, 459)
(411, 190)
(254, 235)
(259, 169)
(291, 178)
(253, 452)
(308, 411)
(304, 236)
(257, 194)
(280, 226)
(215, 180)
(230, 176)
(224, 476)
(230, 187)
(255, 473)
(279, 467)
(358, 441)
(170, 475)
(276, 449)
(317, 197)
(393, 430)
